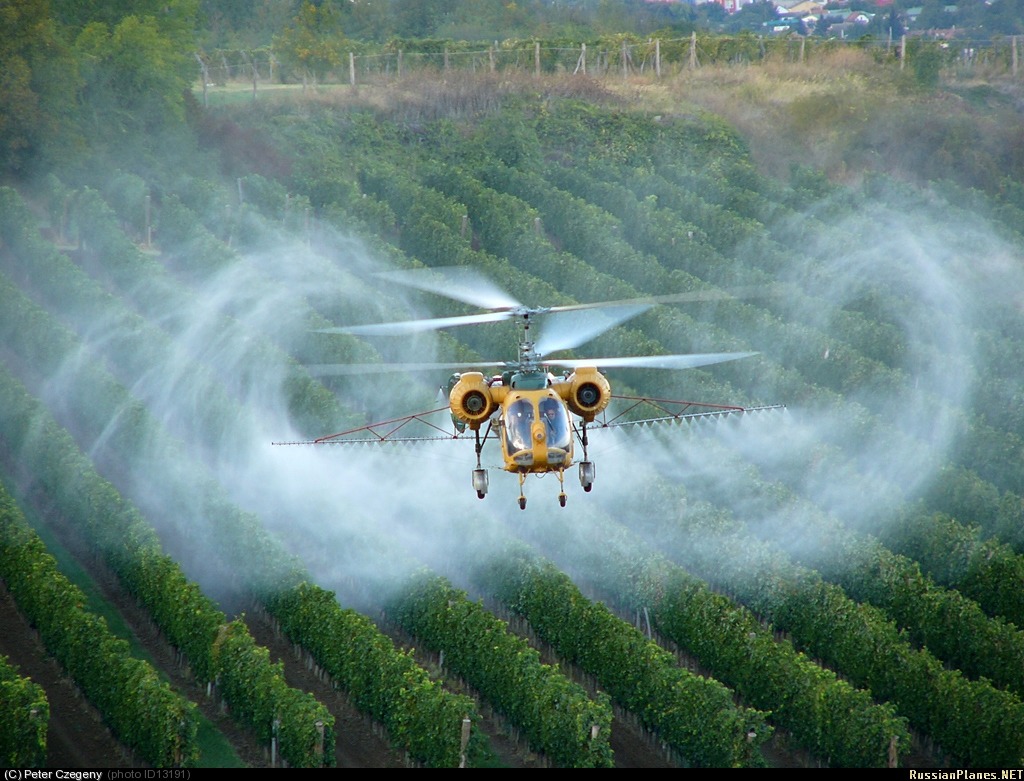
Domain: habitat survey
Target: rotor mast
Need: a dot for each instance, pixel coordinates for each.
(529, 359)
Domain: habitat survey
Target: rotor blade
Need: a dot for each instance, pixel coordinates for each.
(566, 329)
(690, 361)
(457, 282)
(338, 369)
(415, 326)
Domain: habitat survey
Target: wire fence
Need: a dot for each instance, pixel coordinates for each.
(364, 64)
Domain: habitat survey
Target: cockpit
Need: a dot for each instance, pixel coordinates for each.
(555, 432)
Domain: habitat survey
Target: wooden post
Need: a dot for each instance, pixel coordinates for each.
(802, 42)
(693, 50)
(445, 59)
(582, 65)
(1013, 56)
(657, 57)
(536, 59)
(625, 62)
(205, 72)
(352, 69)
(903, 50)
(490, 55)
(466, 724)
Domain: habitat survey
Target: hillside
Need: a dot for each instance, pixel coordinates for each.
(837, 582)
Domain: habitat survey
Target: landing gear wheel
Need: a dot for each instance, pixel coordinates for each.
(561, 500)
(522, 502)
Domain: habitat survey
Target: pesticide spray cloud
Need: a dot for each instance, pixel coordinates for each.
(361, 517)
(934, 283)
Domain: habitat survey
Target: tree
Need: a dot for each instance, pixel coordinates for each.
(934, 16)
(313, 42)
(134, 75)
(37, 83)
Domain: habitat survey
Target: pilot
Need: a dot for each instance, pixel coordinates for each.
(551, 421)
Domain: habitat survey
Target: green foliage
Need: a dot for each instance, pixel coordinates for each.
(142, 710)
(134, 75)
(313, 41)
(693, 715)
(24, 714)
(38, 78)
(383, 681)
(259, 696)
(554, 715)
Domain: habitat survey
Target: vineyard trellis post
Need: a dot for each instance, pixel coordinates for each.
(251, 59)
(536, 59)
(693, 50)
(466, 724)
(320, 742)
(351, 69)
(275, 727)
(206, 79)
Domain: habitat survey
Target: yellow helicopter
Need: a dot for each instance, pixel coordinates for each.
(538, 417)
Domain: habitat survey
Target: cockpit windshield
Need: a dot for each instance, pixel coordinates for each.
(556, 423)
(518, 424)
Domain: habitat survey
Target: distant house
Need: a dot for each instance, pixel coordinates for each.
(786, 24)
(801, 9)
(858, 17)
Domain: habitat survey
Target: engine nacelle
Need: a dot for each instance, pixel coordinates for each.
(587, 392)
(471, 400)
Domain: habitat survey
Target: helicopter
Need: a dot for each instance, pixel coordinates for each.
(537, 407)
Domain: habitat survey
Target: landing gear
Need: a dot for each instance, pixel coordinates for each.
(480, 482)
(587, 475)
(479, 474)
(586, 467)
